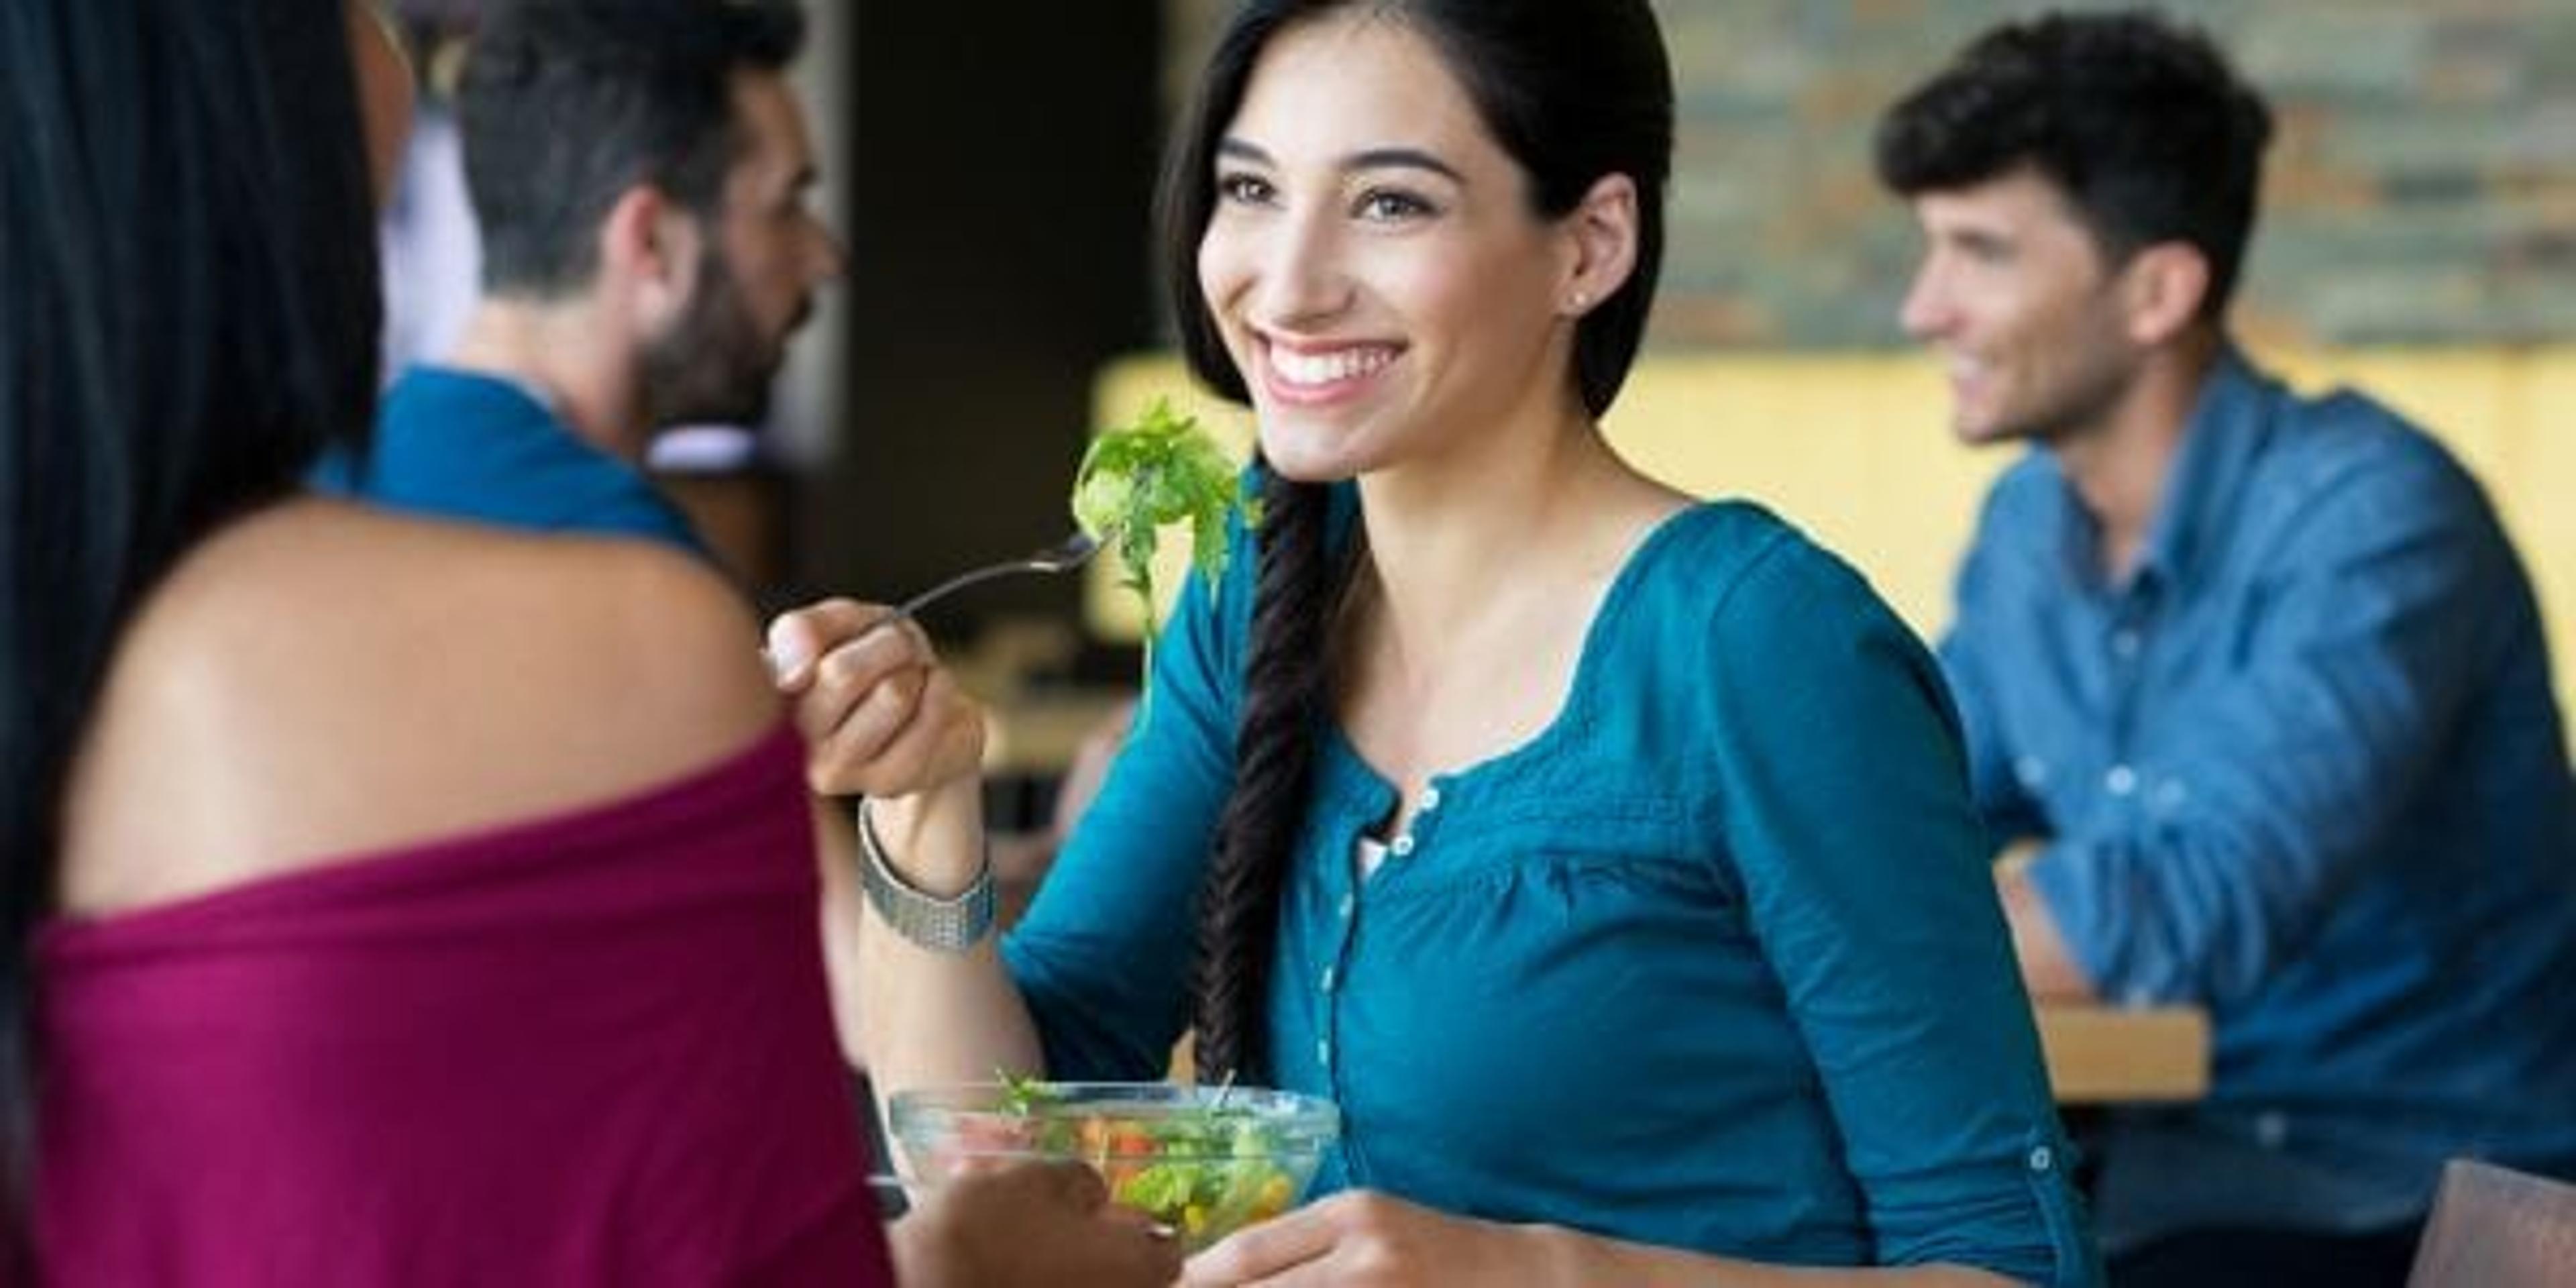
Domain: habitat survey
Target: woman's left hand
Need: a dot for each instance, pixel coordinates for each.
(1369, 1240)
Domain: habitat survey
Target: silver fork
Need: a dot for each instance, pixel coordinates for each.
(1064, 556)
(1060, 557)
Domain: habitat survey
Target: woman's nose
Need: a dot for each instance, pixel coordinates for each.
(1301, 274)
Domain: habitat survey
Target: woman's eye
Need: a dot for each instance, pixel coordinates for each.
(1244, 189)
(1388, 206)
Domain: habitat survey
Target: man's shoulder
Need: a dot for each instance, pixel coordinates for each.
(2032, 478)
(440, 423)
(2025, 505)
(2346, 448)
(433, 390)
(463, 444)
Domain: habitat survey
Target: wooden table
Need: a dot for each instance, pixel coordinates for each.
(2111, 1054)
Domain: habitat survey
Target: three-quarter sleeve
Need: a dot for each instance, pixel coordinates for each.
(1849, 821)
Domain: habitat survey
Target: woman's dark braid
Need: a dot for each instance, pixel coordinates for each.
(1273, 743)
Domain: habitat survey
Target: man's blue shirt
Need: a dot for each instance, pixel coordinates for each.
(461, 445)
(2301, 766)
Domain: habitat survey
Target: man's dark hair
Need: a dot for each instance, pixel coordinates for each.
(2140, 122)
(566, 104)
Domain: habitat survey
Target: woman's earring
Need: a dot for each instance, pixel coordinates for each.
(1575, 303)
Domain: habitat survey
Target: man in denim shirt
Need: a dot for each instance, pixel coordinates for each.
(2256, 680)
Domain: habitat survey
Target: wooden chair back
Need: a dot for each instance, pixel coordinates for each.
(2496, 1228)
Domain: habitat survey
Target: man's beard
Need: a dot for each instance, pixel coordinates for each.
(713, 366)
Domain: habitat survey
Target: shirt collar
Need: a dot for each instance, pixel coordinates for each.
(2206, 488)
(2201, 495)
(536, 394)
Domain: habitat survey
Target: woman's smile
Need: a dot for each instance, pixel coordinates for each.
(1312, 374)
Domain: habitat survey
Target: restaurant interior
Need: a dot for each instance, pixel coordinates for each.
(991, 173)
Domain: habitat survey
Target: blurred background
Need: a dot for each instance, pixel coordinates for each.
(991, 171)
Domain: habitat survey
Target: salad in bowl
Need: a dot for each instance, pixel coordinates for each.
(1203, 1161)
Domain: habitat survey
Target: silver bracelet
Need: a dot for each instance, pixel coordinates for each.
(950, 925)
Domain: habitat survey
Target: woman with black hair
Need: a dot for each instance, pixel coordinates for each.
(385, 902)
(1606, 856)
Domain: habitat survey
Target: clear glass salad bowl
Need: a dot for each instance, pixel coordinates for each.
(1204, 1161)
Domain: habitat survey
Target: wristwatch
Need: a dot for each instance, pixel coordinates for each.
(950, 925)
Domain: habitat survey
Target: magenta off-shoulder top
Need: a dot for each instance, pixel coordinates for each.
(589, 1049)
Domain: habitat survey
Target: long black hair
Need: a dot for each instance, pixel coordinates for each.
(189, 318)
(1573, 92)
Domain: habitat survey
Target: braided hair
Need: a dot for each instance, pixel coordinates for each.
(1284, 689)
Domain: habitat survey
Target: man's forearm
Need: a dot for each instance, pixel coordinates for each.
(2048, 969)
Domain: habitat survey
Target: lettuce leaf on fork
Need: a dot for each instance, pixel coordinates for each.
(1139, 478)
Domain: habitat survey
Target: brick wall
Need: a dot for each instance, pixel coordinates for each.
(2421, 186)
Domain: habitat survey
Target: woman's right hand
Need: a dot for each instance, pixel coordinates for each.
(1030, 1224)
(880, 716)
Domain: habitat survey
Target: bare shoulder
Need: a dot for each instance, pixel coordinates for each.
(321, 681)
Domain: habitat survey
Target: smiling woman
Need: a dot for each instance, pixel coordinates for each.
(1490, 753)
(1375, 293)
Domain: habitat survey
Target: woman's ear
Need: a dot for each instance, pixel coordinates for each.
(2161, 289)
(1601, 238)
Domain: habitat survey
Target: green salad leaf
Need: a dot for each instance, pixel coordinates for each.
(1203, 1171)
(1220, 1172)
(1024, 1095)
(1159, 470)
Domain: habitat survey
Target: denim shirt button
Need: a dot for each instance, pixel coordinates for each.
(2121, 781)
(2271, 1129)
(2042, 1158)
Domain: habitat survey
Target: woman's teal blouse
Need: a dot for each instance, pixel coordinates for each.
(1714, 961)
